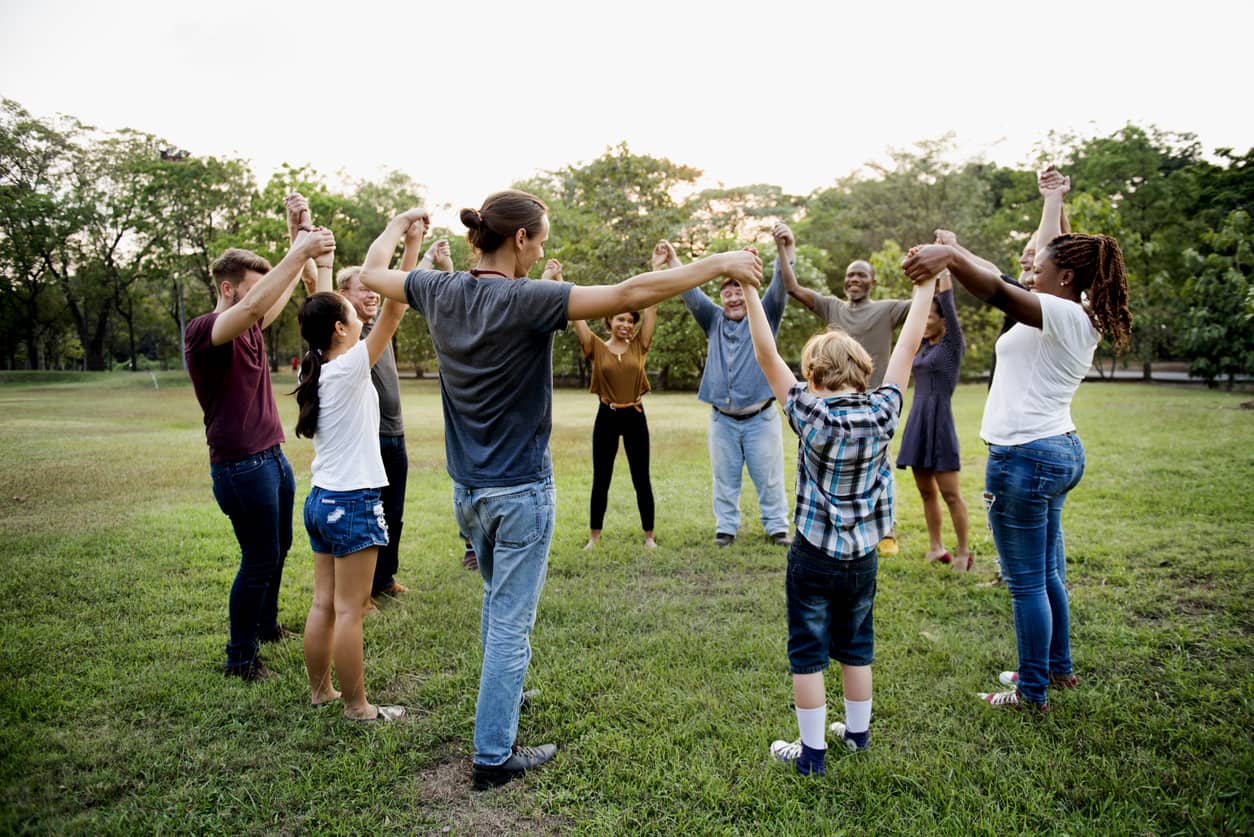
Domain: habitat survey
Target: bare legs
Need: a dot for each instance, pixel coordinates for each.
(333, 629)
(935, 486)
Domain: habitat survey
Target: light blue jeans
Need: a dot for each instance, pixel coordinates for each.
(511, 529)
(757, 443)
(1025, 488)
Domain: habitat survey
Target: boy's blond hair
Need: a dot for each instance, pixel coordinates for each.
(832, 360)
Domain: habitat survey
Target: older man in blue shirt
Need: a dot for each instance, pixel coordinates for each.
(745, 428)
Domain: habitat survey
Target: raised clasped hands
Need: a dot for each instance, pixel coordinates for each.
(552, 270)
(945, 237)
(440, 255)
(317, 243)
(925, 261)
(1053, 182)
(785, 241)
(298, 216)
(744, 266)
(663, 255)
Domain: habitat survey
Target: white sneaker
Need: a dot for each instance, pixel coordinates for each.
(1009, 678)
(786, 751)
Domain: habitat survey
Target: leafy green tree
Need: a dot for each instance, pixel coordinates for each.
(1219, 326)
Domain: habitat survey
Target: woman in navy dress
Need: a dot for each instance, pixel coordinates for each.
(929, 444)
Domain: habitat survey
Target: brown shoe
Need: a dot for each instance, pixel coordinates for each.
(393, 589)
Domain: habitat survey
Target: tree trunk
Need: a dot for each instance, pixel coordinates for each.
(1147, 371)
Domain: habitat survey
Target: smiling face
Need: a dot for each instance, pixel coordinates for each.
(363, 300)
(1049, 279)
(622, 325)
(1026, 264)
(733, 297)
(859, 280)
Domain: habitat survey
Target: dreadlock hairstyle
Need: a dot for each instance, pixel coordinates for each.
(1098, 265)
(317, 316)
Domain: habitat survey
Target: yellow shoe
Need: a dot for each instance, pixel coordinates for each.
(888, 547)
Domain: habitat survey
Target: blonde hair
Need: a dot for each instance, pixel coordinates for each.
(832, 360)
(345, 277)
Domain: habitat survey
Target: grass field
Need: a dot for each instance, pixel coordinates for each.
(663, 676)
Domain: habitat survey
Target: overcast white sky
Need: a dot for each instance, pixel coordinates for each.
(468, 96)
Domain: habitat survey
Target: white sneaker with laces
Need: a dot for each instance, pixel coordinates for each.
(1009, 678)
(839, 730)
(786, 751)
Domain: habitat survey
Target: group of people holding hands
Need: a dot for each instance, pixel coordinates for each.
(493, 336)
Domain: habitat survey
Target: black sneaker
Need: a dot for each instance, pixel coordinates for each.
(723, 539)
(528, 697)
(520, 761)
(780, 539)
(254, 672)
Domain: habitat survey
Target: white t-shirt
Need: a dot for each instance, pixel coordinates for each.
(346, 444)
(1038, 372)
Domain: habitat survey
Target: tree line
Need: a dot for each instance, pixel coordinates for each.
(106, 237)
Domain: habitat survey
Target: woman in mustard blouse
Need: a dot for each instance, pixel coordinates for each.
(619, 380)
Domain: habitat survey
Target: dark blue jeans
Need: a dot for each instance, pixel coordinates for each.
(257, 493)
(1025, 487)
(396, 464)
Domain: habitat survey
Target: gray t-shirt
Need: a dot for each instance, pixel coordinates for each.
(494, 341)
(871, 323)
(387, 383)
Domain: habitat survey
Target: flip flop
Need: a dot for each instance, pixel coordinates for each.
(943, 558)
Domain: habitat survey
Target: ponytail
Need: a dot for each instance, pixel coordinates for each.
(318, 315)
(1099, 271)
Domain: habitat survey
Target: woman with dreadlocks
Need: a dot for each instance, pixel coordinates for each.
(1034, 454)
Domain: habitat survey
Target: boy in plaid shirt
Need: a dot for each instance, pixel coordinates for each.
(844, 507)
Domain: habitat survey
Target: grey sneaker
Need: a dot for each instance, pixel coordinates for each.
(780, 539)
(519, 762)
(723, 539)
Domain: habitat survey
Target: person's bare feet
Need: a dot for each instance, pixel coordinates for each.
(592, 540)
(649, 543)
(940, 554)
(323, 698)
(963, 561)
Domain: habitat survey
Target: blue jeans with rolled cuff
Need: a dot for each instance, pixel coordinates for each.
(1025, 488)
(511, 528)
(257, 493)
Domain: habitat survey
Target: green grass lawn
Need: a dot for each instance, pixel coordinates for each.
(664, 676)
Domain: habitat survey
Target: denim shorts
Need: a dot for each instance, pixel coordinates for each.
(831, 608)
(340, 523)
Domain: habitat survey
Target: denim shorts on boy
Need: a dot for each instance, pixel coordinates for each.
(340, 523)
(830, 609)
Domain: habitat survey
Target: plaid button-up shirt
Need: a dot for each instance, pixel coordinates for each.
(844, 480)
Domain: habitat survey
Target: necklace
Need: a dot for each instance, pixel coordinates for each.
(478, 273)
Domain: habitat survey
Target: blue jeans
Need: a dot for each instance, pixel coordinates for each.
(756, 442)
(511, 528)
(831, 608)
(257, 493)
(396, 465)
(1025, 488)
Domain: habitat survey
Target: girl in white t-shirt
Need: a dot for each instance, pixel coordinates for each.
(339, 409)
(1035, 456)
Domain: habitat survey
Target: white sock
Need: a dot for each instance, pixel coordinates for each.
(813, 724)
(857, 715)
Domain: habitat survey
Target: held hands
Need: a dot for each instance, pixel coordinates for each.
(785, 241)
(1051, 182)
(663, 255)
(317, 244)
(552, 270)
(944, 237)
(440, 255)
(298, 216)
(925, 261)
(416, 231)
(412, 216)
(745, 266)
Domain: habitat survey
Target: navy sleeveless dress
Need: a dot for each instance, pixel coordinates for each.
(930, 440)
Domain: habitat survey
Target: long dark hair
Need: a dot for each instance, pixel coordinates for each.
(503, 214)
(317, 316)
(1098, 265)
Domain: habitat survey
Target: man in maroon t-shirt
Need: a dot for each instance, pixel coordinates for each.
(252, 480)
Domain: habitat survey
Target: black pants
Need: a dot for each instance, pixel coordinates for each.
(392, 495)
(631, 425)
